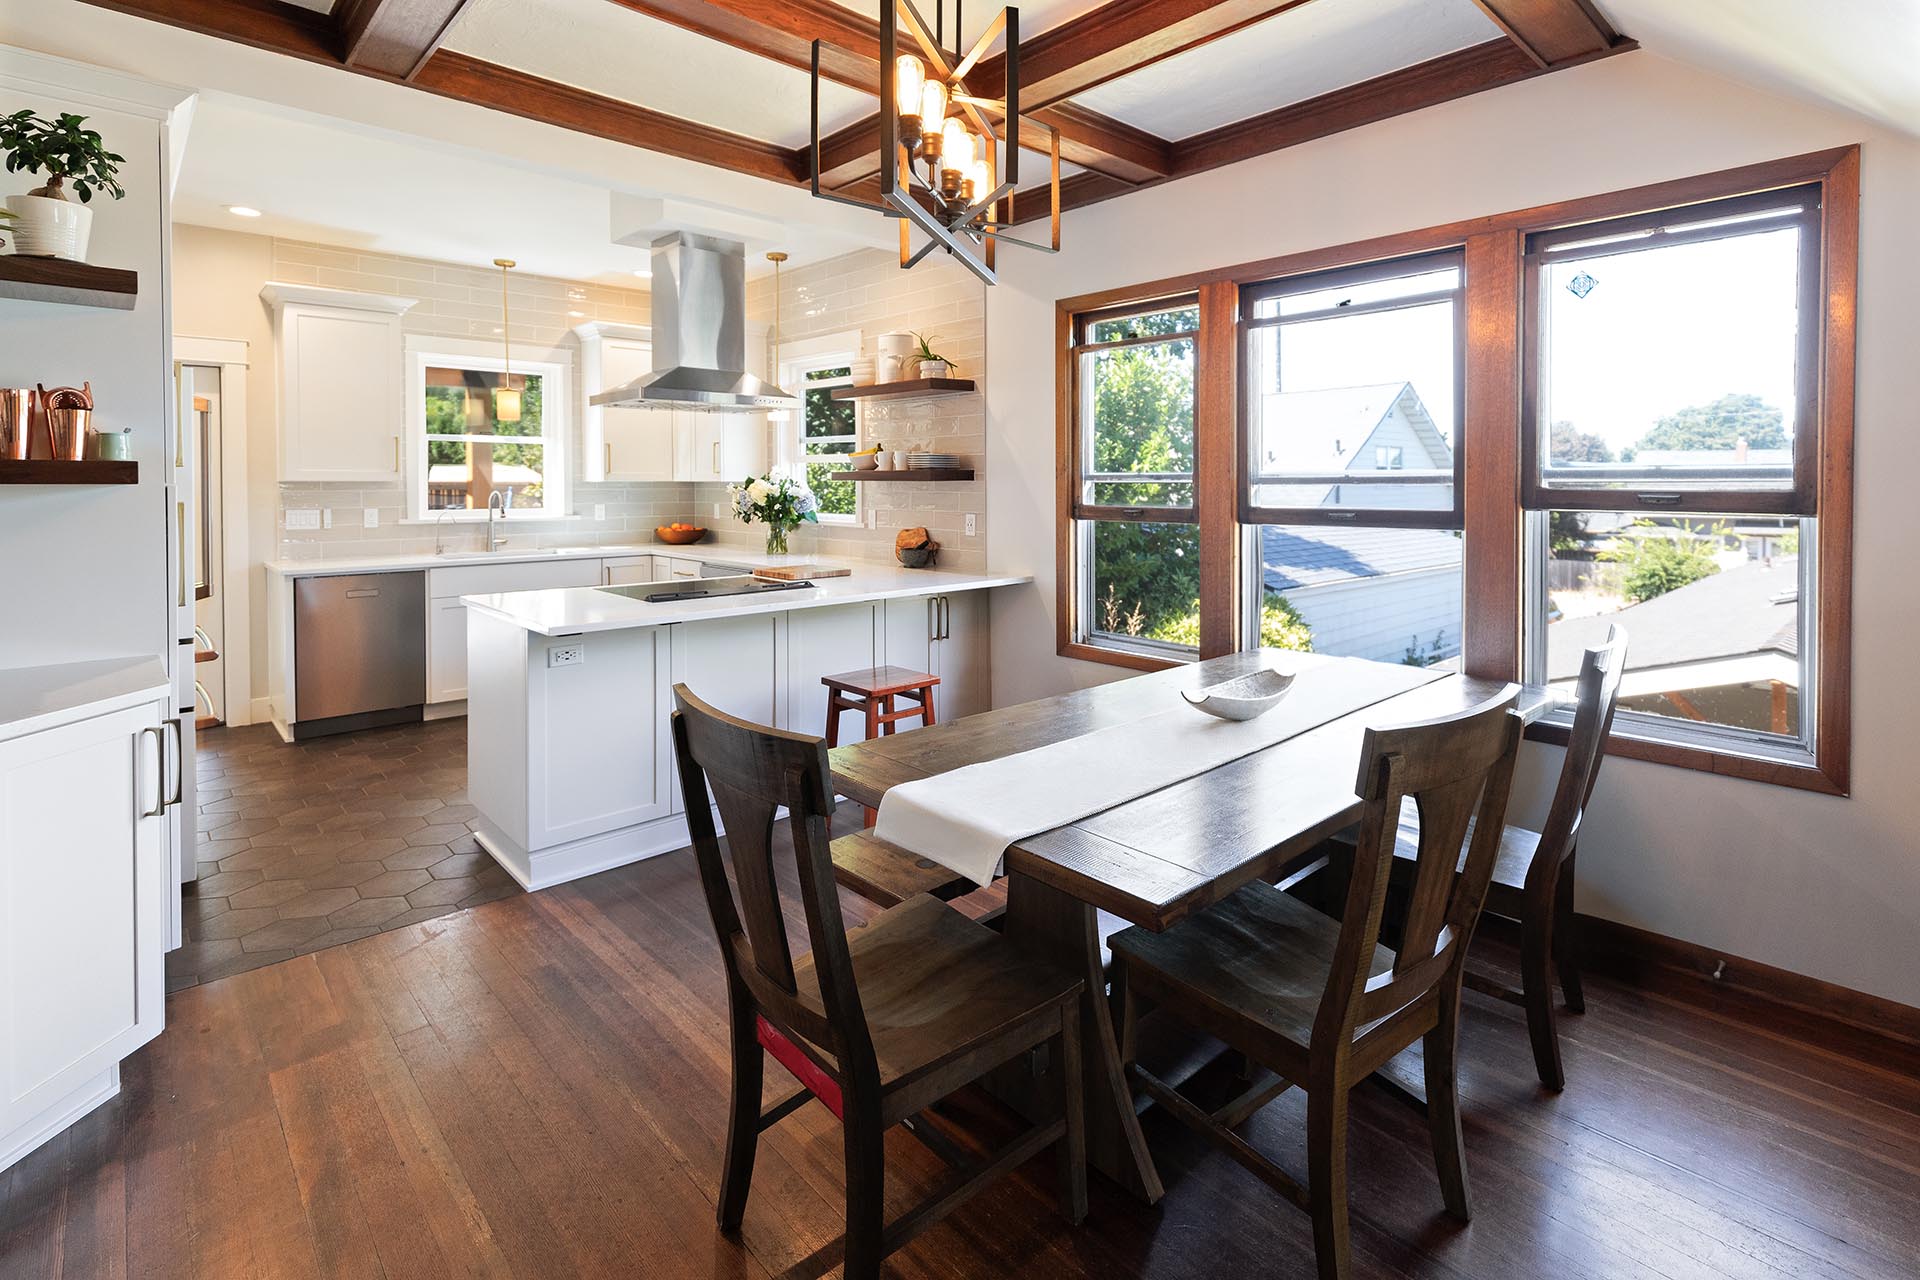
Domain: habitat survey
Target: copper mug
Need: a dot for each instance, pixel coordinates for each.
(68, 429)
(16, 417)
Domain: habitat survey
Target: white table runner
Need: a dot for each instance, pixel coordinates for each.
(965, 819)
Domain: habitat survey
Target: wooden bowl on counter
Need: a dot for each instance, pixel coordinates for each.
(679, 537)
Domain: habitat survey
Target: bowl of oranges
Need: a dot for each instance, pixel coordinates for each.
(679, 535)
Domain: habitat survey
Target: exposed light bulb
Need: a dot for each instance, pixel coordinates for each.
(956, 145)
(981, 176)
(910, 83)
(243, 211)
(933, 105)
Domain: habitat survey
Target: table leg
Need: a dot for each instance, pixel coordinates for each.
(1064, 929)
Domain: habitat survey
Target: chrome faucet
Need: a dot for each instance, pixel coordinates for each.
(496, 501)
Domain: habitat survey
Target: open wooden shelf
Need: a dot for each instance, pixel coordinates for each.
(53, 471)
(74, 284)
(927, 473)
(901, 390)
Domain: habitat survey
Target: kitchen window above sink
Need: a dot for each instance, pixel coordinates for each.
(463, 454)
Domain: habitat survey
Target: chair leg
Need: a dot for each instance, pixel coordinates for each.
(1441, 1051)
(866, 1193)
(743, 1123)
(1073, 1146)
(1327, 1180)
(1536, 990)
(1564, 954)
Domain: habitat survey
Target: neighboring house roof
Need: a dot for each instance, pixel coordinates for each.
(1292, 557)
(1749, 609)
(1329, 430)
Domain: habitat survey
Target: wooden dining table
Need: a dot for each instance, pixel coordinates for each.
(1157, 859)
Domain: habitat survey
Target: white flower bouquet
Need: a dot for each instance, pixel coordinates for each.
(780, 500)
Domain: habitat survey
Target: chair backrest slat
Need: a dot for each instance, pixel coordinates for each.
(1458, 770)
(1598, 695)
(752, 772)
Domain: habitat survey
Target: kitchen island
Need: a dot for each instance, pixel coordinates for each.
(569, 757)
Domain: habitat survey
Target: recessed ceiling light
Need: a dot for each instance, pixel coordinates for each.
(645, 273)
(575, 315)
(243, 211)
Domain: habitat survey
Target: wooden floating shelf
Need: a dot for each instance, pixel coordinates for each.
(902, 390)
(925, 473)
(74, 284)
(52, 471)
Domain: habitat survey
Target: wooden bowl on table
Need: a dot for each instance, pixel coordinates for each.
(679, 537)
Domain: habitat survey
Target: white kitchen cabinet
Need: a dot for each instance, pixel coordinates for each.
(946, 636)
(679, 568)
(724, 448)
(623, 571)
(84, 891)
(342, 398)
(824, 642)
(661, 443)
(447, 617)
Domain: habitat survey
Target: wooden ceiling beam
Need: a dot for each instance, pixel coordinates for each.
(1553, 33)
(850, 56)
(297, 32)
(393, 37)
(1443, 79)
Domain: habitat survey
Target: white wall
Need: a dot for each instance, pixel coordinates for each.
(1822, 886)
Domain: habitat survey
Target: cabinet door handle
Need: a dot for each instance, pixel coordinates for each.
(606, 468)
(396, 455)
(933, 617)
(179, 763)
(160, 758)
(716, 457)
(946, 618)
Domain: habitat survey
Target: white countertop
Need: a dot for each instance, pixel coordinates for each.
(577, 610)
(34, 698)
(428, 560)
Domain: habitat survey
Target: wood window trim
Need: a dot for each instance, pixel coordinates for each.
(1493, 588)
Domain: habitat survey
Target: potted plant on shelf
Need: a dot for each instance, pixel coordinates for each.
(932, 363)
(780, 500)
(48, 224)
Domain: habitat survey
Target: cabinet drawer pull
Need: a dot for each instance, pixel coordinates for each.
(160, 758)
(179, 763)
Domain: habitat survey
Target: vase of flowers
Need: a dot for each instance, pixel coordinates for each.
(780, 500)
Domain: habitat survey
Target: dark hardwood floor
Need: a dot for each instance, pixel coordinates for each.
(536, 1087)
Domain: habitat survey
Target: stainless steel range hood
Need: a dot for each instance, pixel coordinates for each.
(699, 331)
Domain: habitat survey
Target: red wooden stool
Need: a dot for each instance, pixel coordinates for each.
(873, 691)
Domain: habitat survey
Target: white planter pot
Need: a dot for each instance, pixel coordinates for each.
(935, 368)
(46, 228)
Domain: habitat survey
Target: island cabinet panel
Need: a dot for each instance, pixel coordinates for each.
(729, 663)
(589, 772)
(447, 617)
(83, 896)
(823, 642)
(946, 636)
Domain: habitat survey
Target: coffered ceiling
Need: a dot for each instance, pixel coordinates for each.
(1142, 91)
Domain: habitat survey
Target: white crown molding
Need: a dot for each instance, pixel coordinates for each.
(279, 294)
(592, 330)
(30, 71)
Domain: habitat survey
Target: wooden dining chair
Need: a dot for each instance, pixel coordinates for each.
(1320, 1003)
(1533, 872)
(878, 1024)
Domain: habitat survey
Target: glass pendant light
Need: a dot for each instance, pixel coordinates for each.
(506, 400)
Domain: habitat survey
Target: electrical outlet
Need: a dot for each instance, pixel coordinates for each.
(566, 655)
(719, 511)
(370, 519)
(599, 511)
(326, 517)
(302, 518)
(972, 526)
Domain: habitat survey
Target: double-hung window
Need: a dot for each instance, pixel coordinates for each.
(826, 430)
(1671, 377)
(1137, 567)
(465, 449)
(1352, 458)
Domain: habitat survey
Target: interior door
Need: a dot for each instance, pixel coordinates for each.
(205, 559)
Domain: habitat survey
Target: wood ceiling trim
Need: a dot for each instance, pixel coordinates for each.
(393, 37)
(1426, 84)
(289, 29)
(1553, 33)
(850, 55)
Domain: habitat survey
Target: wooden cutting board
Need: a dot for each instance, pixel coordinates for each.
(797, 572)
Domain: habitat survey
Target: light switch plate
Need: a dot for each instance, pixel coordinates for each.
(370, 519)
(326, 517)
(972, 530)
(302, 518)
(599, 511)
(566, 655)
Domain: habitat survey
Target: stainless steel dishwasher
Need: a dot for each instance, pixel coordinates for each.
(359, 651)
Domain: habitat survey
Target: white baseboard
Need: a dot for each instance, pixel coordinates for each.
(444, 710)
(544, 868)
(50, 1123)
(261, 711)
